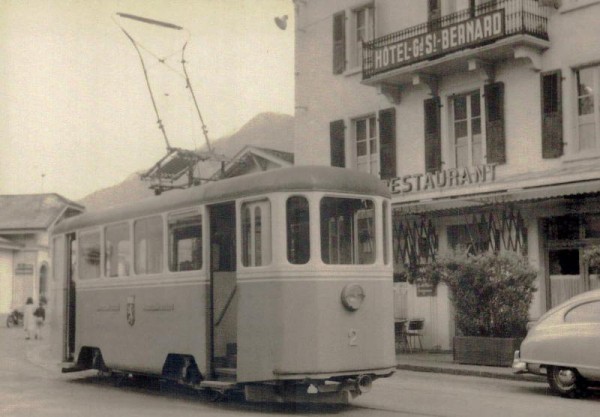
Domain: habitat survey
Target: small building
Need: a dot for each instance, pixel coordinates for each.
(252, 159)
(25, 221)
(482, 116)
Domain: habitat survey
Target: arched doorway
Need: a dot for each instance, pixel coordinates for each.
(43, 284)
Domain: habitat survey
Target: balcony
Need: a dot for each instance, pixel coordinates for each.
(494, 30)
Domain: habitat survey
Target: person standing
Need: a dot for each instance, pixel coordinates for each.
(29, 318)
(40, 318)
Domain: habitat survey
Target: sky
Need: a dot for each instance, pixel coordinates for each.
(75, 112)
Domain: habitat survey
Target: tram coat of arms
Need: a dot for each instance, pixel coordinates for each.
(131, 310)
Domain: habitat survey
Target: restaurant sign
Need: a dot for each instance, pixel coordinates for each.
(439, 42)
(453, 177)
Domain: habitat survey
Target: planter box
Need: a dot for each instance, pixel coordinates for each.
(491, 351)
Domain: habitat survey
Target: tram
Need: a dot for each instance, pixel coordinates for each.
(276, 284)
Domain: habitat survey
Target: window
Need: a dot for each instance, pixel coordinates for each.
(347, 231)
(185, 241)
(363, 31)
(367, 145)
(563, 262)
(466, 128)
(472, 238)
(592, 226)
(584, 313)
(89, 255)
(117, 246)
(148, 245)
(298, 230)
(256, 233)
(588, 115)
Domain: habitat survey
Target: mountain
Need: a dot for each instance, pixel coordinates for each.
(267, 130)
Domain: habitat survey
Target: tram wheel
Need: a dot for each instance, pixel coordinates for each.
(216, 396)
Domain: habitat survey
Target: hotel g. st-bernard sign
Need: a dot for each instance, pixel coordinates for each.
(447, 178)
(439, 42)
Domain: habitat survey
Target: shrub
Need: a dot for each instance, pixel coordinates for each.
(491, 292)
(591, 257)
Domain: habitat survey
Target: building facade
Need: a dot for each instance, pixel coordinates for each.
(25, 269)
(483, 117)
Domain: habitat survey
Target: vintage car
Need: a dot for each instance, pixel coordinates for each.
(563, 344)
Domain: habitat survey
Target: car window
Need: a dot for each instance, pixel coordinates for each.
(584, 313)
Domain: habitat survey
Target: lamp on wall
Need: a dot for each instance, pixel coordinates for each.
(281, 22)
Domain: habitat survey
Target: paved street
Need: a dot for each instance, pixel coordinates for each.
(28, 388)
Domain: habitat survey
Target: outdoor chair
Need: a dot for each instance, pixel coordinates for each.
(414, 330)
(401, 336)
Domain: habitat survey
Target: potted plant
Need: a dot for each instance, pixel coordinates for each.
(491, 294)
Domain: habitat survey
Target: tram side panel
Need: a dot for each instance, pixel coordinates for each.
(137, 327)
(260, 330)
(298, 328)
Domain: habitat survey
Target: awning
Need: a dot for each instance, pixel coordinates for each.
(545, 192)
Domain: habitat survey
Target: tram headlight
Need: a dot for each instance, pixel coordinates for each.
(353, 296)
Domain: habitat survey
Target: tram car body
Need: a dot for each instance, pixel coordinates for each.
(277, 283)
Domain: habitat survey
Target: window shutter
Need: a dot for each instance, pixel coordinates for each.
(387, 143)
(433, 135)
(552, 118)
(339, 43)
(337, 143)
(494, 126)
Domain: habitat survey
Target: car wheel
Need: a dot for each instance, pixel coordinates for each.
(565, 381)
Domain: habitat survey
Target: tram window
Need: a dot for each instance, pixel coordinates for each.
(347, 231)
(148, 245)
(185, 243)
(385, 232)
(117, 247)
(256, 234)
(298, 230)
(89, 255)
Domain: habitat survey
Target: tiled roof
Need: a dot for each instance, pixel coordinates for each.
(286, 156)
(32, 211)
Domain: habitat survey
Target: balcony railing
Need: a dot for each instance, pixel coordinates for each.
(486, 23)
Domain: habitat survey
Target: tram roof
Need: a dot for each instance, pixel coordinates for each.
(292, 179)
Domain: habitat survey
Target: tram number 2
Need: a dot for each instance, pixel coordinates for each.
(353, 337)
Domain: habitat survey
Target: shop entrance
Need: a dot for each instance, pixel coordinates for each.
(567, 238)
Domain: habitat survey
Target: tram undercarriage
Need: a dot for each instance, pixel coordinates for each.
(183, 371)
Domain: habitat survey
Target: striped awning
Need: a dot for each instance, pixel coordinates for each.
(545, 192)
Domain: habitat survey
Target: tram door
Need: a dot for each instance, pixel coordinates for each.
(224, 293)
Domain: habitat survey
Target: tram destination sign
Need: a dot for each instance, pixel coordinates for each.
(439, 41)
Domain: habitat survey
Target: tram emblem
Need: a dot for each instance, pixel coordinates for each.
(131, 310)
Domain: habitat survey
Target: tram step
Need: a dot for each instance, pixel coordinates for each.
(217, 384)
(226, 373)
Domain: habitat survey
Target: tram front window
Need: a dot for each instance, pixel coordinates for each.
(298, 230)
(347, 231)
